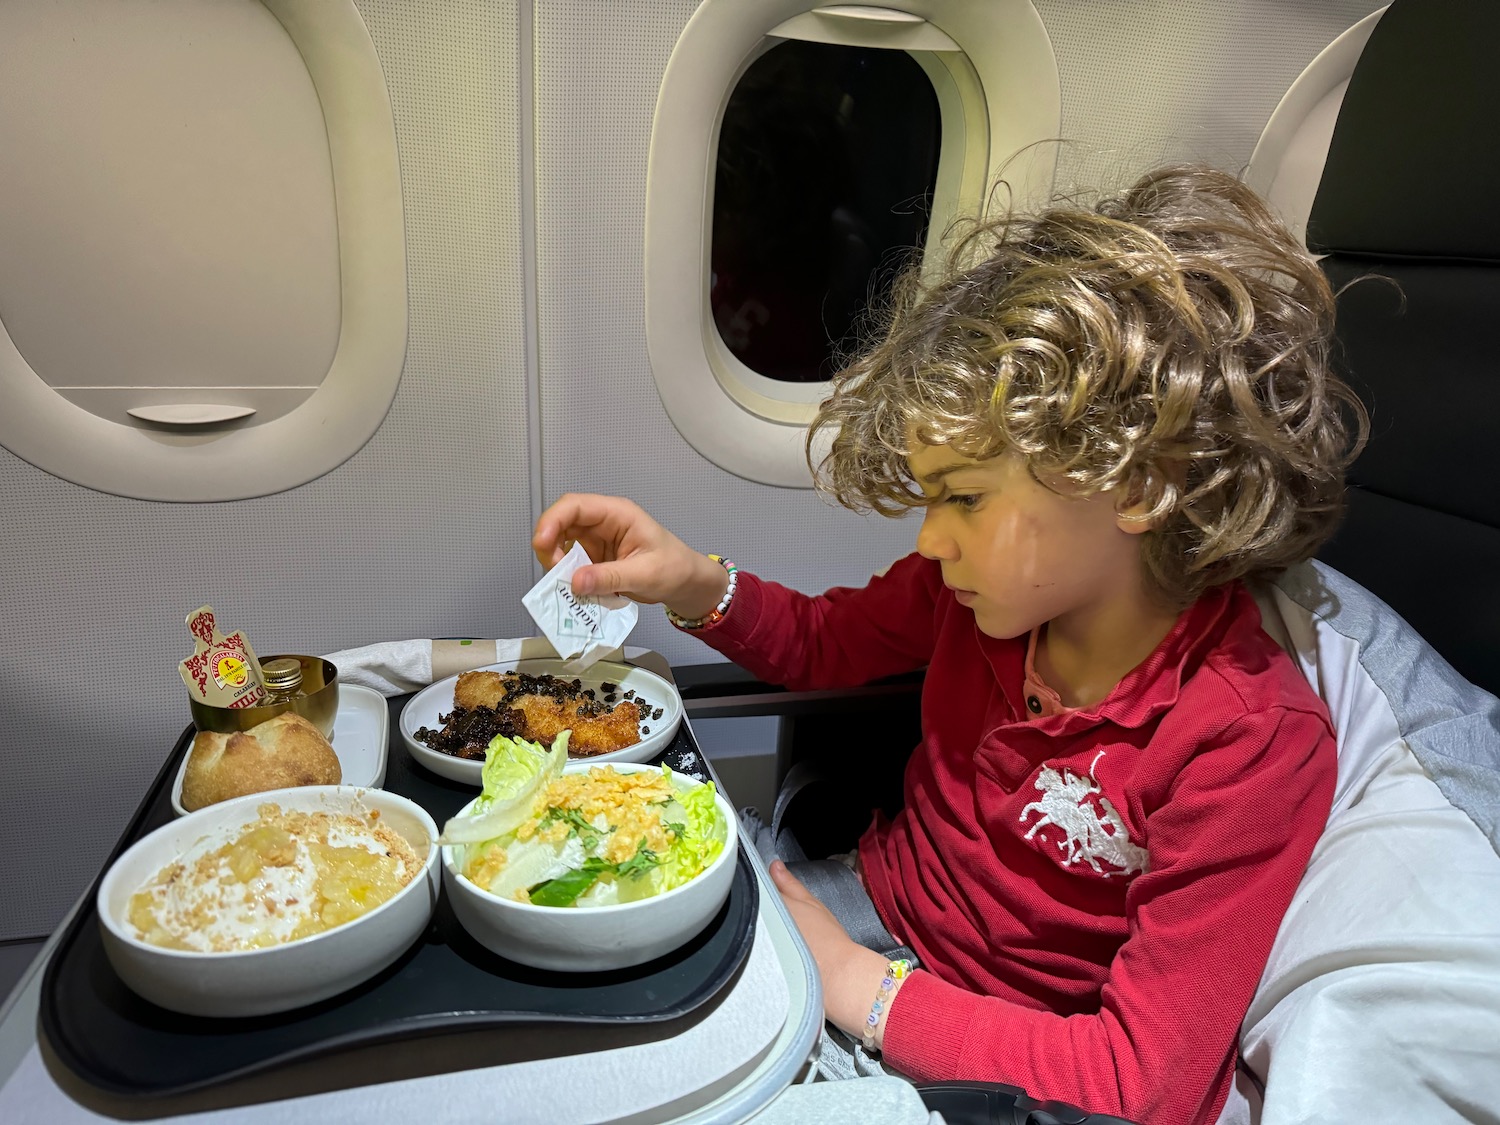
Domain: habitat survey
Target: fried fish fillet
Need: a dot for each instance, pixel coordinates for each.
(480, 689)
(546, 717)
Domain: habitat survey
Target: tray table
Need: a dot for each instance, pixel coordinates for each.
(612, 1047)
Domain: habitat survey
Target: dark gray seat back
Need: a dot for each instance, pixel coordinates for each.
(1411, 192)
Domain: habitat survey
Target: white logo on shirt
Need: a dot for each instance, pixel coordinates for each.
(1088, 836)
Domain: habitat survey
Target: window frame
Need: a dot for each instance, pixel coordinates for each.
(998, 94)
(42, 427)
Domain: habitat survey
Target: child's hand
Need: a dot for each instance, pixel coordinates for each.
(851, 973)
(633, 554)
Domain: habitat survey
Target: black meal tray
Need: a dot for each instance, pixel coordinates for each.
(445, 984)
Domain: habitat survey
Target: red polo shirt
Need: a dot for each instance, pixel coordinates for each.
(1093, 892)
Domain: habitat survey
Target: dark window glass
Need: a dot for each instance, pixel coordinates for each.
(826, 165)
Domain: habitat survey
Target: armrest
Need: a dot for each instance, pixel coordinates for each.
(722, 691)
(861, 735)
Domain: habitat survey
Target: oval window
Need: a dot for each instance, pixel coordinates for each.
(203, 259)
(801, 156)
(826, 166)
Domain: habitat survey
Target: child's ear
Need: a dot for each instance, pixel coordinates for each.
(1131, 518)
(1132, 514)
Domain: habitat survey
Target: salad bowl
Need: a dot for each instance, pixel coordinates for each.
(589, 937)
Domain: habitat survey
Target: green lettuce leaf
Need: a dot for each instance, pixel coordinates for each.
(509, 763)
(702, 837)
(634, 873)
(515, 771)
(565, 889)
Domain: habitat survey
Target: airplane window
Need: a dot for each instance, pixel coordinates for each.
(202, 250)
(826, 166)
(802, 154)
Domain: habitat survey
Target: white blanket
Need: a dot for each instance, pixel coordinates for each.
(1381, 999)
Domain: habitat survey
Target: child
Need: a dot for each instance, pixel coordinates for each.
(1111, 419)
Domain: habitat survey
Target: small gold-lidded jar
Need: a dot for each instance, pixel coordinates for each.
(316, 698)
(283, 678)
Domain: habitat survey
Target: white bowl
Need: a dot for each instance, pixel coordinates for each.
(280, 977)
(423, 709)
(595, 938)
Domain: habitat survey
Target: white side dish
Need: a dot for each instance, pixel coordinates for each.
(279, 977)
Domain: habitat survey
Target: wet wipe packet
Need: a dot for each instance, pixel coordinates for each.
(582, 630)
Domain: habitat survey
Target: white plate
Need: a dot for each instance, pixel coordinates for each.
(424, 708)
(361, 733)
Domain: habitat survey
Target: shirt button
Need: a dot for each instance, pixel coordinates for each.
(1034, 704)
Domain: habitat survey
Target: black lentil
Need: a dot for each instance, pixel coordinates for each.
(467, 732)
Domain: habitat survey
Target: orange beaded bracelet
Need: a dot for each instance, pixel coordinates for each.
(715, 615)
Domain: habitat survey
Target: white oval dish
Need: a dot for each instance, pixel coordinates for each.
(423, 709)
(595, 938)
(361, 733)
(280, 977)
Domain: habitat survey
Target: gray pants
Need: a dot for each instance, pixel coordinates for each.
(837, 887)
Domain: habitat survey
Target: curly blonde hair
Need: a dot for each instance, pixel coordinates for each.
(1171, 342)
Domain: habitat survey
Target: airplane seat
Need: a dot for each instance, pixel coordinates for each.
(1406, 194)
(1384, 980)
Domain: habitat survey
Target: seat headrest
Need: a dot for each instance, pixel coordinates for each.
(1415, 156)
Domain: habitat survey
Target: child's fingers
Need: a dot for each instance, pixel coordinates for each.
(552, 536)
(599, 578)
(787, 883)
(573, 516)
(549, 556)
(632, 577)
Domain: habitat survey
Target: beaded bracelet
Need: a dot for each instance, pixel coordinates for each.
(896, 970)
(715, 615)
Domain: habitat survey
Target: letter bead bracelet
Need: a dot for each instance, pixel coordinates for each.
(896, 970)
(715, 615)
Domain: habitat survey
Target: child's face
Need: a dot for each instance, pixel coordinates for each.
(1020, 554)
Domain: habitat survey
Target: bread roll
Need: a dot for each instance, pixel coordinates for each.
(277, 754)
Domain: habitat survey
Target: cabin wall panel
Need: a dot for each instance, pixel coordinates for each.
(603, 427)
(421, 533)
(1146, 83)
